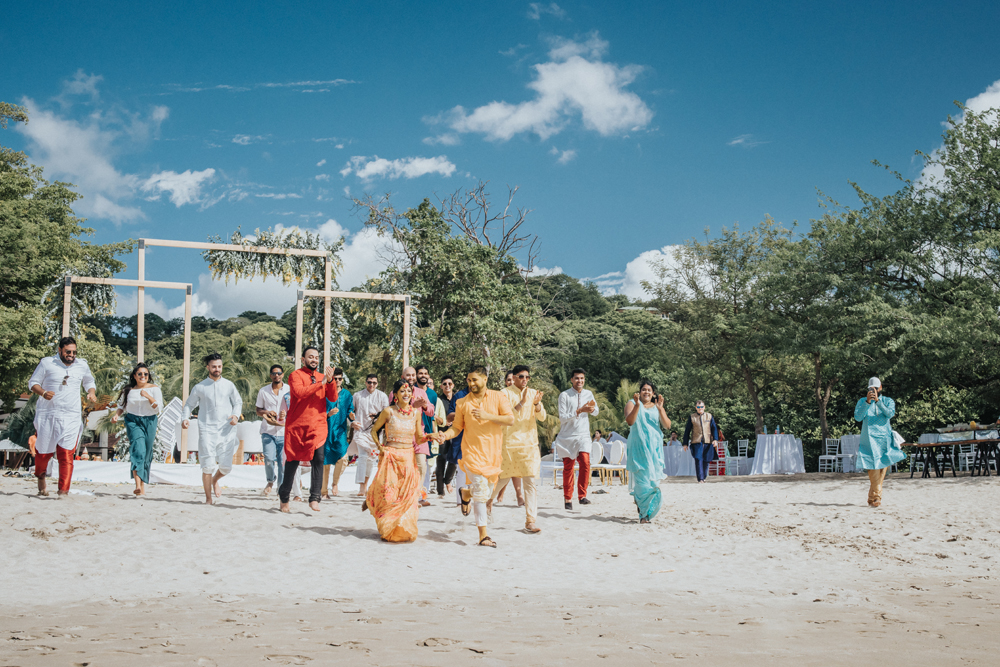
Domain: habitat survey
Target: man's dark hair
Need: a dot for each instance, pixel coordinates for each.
(66, 340)
(577, 371)
(421, 366)
(370, 376)
(215, 356)
(278, 366)
(309, 347)
(447, 377)
(480, 369)
(338, 370)
(520, 369)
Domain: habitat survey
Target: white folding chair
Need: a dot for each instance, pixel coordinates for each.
(966, 456)
(829, 460)
(616, 463)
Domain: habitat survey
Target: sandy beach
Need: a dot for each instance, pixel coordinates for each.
(778, 570)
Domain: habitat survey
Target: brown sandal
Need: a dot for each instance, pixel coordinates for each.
(491, 543)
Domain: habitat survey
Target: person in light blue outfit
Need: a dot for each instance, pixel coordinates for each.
(878, 449)
(339, 416)
(645, 415)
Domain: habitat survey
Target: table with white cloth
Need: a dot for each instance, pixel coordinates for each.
(677, 461)
(777, 455)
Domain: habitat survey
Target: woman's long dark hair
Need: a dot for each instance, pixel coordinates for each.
(643, 382)
(131, 382)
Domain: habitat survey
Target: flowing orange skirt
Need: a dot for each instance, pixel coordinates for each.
(392, 495)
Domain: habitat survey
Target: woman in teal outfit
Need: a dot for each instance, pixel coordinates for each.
(645, 415)
(878, 449)
(140, 400)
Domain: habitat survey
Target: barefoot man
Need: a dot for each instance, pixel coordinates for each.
(219, 409)
(58, 416)
(482, 416)
(521, 457)
(306, 427)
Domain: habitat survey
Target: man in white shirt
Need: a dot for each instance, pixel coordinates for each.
(368, 405)
(272, 431)
(573, 443)
(219, 409)
(58, 416)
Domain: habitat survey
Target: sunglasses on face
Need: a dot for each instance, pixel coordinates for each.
(142, 375)
(372, 382)
(523, 376)
(699, 407)
(276, 373)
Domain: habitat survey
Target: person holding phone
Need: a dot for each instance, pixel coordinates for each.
(878, 449)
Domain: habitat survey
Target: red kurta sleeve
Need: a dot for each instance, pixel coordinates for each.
(332, 390)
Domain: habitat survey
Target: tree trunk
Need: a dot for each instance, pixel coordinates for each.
(752, 390)
(822, 395)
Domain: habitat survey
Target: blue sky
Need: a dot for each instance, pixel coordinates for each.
(627, 126)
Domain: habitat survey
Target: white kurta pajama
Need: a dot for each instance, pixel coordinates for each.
(217, 402)
(573, 441)
(366, 404)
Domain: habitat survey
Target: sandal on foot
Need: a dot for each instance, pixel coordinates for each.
(487, 542)
(466, 504)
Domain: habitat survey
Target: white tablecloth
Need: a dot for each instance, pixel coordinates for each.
(677, 462)
(778, 454)
(849, 445)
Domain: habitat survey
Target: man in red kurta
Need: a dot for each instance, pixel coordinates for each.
(305, 425)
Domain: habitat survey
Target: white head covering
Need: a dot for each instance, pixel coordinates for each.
(874, 382)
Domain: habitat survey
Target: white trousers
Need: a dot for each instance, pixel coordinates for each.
(481, 492)
(530, 487)
(367, 457)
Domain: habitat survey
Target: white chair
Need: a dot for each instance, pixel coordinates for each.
(829, 460)
(616, 463)
(736, 462)
(966, 456)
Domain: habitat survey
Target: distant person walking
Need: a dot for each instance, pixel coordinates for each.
(445, 466)
(645, 416)
(141, 401)
(339, 416)
(272, 429)
(576, 405)
(701, 435)
(58, 416)
(368, 405)
(219, 408)
(878, 449)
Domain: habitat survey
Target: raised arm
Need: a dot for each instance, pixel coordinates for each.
(632, 410)
(566, 410)
(861, 409)
(886, 406)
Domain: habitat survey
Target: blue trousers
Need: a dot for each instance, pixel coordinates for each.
(701, 469)
(273, 444)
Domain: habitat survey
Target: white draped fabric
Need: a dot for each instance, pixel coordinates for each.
(849, 445)
(777, 455)
(677, 462)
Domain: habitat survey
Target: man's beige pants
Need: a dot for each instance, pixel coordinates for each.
(338, 470)
(528, 485)
(876, 477)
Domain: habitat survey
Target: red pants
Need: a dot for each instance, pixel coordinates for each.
(582, 481)
(65, 458)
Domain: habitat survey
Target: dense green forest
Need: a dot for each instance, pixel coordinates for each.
(769, 325)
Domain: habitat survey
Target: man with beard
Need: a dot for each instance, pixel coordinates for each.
(58, 417)
(368, 405)
(305, 425)
(219, 409)
(424, 383)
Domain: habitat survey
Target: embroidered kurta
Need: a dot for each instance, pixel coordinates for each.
(368, 405)
(305, 425)
(878, 448)
(574, 429)
(482, 440)
(337, 425)
(521, 457)
(60, 420)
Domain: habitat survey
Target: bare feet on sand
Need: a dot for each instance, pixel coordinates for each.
(314, 506)
(285, 508)
(217, 489)
(267, 490)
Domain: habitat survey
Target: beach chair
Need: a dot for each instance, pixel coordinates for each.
(829, 460)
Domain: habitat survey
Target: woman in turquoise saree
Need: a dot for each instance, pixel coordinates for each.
(645, 415)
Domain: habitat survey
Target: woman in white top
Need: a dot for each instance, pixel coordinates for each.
(141, 401)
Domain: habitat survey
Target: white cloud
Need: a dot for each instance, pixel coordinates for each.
(745, 141)
(628, 282)
(247, 139)
(988, 99)
(539, 271)
(446, 139)
(321, 163)
(278, 195)
(574, 82)
(536, 9)
(339, 146)
(198, 88)
(322, 177)
(367, 168)
(81, 84)
(128, 305)
(184, 188)
(563, 156)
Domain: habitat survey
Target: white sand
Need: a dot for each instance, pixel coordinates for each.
(790, 570)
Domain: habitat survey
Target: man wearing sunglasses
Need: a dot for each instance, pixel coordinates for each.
(58, 415)
(272, 428)
(368, 405)
(701, 434)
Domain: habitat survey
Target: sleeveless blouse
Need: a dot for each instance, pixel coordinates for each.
(400, 428)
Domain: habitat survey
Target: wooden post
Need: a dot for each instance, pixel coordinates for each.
(298, 330)
(140, 320)
(186, 374)
(406, 332)
(327, 280)
(67, 301)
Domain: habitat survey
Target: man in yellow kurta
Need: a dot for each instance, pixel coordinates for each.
(482, 415)
(521, 457)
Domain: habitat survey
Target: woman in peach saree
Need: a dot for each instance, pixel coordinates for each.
(394, 492)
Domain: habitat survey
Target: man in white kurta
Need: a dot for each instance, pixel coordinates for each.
(521, 458)
(573, 443)
(58, 414)
(219, 408)
(368, 405)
